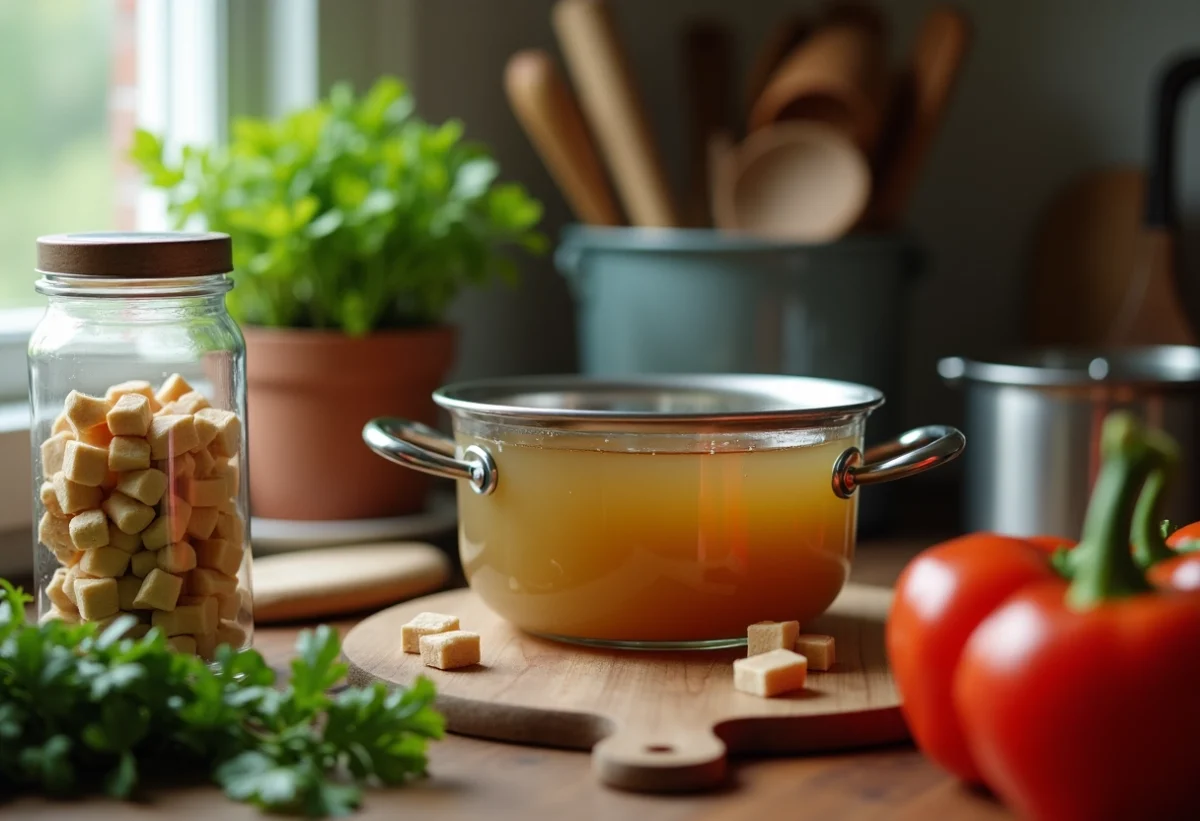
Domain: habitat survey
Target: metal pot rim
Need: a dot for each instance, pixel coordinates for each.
(681, 401)
(1151, 365)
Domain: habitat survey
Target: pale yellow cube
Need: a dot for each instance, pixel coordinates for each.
(424, 624)
(771, 635)
(159, 591)
(99, 436)
(84, 412)
(205, 463)
(62, 425)
(179, 513)
(129, 514)
(50, 499)
(206, 492)
(228, 470)
(171, 435)
(770, 674)
(133, 386)
(202, 522)
(130, 416)
(182, 644)
(55, 531)
(220, 554)
(147, 486)
(231, 633)
(74, 574)
(204, 581)
(55, 591)
(186, 619)
(74, 497)
(231, 528)
(206, 646)
(228, 437)
(210, 611)
(180, 467)
(174, 387)
(89, 530)
(206, 430)
(127, 590)
(449, 651)
(97, 598)
(228, 606)
(53, 450)
(85, 464)
(140, 564)
(177, 558)
(190, 402)
(129, 542)
(58, 614)
(158, 534)
(105, 562)
(818, 649)
(128, 453)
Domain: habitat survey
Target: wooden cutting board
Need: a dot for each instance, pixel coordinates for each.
(332, 581)
(654, 721)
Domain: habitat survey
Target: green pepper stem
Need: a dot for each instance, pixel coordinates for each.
(1149, 542)
(1103, 563)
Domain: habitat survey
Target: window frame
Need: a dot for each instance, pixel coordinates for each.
(186, 53)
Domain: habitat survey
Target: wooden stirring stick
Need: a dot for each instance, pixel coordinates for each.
(546, 110)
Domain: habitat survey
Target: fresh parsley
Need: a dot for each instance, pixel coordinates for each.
(82, 709)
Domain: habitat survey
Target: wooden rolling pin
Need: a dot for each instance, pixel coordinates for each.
(546, 110)
(614, 110)
(935, 65)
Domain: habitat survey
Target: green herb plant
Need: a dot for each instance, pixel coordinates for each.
(352, 215)
(84, 709)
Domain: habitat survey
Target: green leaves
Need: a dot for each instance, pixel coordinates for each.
(353, 214)
(82, 711)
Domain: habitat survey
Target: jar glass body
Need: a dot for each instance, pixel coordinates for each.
(174, 500)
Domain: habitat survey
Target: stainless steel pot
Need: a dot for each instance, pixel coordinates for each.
(658, 511)
(1034, 424)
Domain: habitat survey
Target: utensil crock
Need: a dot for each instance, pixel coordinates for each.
(658, 511)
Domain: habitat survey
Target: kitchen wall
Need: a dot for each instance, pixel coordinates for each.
(1051, 89)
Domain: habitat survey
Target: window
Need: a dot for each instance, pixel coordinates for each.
(57, 170)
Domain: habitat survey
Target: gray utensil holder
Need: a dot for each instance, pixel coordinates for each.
(702, 301)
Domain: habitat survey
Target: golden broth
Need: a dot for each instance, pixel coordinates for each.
(657, 547)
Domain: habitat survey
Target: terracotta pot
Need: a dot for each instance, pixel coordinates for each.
(308, 395)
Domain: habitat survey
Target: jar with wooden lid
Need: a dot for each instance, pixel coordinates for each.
(137, 383)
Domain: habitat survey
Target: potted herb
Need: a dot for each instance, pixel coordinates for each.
(354, 225)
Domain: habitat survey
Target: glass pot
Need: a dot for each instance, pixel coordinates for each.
(137, 382)
(660, 512)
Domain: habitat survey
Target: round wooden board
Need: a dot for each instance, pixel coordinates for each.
(655, 721)
(330, 581)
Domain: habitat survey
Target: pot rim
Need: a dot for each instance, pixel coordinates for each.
(679, 400)
(1048, 367)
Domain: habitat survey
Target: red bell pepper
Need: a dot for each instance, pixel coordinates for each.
(1075, 698)
(941, 596)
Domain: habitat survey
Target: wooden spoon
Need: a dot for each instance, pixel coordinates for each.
(837, 75)
(614, 110)
(546, 110)
(794, 182)
(925, 91)
(783, 38)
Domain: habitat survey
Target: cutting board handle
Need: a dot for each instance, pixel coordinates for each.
(671, 759)
(1161, 209)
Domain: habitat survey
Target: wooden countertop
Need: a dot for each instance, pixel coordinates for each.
(481, 779)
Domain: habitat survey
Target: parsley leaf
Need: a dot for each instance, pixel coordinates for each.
(84, 711)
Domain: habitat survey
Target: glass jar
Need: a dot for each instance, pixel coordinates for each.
(137, 380)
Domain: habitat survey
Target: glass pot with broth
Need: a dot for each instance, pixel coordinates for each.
(657, 512)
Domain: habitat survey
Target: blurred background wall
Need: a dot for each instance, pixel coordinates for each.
(1051, 89)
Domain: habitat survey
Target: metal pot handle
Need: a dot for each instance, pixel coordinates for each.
(422, 448)
(910, 453)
